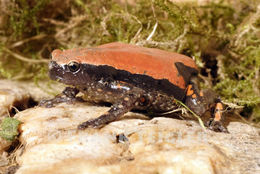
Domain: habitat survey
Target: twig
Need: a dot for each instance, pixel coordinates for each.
(76, 20)
(155, 43)
(220, 64)
(16, 44)
(128, 16)
(155, 26)
(171, 44)
(232, 105)
(141, 26)
(55, 22)
(180, 40)
(152, 33)
(22, 58)
(245, 28)
(255, 80)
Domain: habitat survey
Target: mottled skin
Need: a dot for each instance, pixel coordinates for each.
(100, 74)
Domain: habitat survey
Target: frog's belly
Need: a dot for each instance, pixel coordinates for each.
(154, 101)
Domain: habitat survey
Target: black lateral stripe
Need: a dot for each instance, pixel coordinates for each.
(89, 73)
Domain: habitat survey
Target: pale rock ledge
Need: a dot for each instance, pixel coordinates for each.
(50, 142)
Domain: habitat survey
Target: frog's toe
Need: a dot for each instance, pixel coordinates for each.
(90, 124)
(52, 102)
(70, 92)
(46, 103)
(216, 126)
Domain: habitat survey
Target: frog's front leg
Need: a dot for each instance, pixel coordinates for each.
(118, 109)
(68, 96)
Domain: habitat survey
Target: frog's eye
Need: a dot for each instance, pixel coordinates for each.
(74, 66)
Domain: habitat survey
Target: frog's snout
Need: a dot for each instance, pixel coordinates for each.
(55, 70)
(51, 65)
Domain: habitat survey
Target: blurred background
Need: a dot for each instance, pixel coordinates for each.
(223, 36)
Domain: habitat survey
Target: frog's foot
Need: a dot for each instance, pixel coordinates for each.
(215, 123)
(68, 96)
(116, 110)
(70, 92)
(95, 123)
(216, 126)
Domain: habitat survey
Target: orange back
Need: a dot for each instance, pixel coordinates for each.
(153, 62)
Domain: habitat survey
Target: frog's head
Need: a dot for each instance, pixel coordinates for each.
(67, 68)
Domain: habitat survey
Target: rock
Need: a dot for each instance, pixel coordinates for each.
(133, 144)
(11, 94)
(3, 159)
(18, 95)
(50, 142)
(4, 144)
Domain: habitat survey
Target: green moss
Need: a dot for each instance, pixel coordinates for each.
(25, 19)
(9, 128)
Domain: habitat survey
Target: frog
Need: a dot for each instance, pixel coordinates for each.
(131, 77)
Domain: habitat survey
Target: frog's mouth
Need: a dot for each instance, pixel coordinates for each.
(55, 71)
(61, 73)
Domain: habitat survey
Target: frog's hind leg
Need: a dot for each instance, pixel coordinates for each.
(118, 109)
(202, 101)
(195, 99)
(215, 123)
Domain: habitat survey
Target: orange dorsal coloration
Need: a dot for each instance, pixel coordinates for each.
(153, 62)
